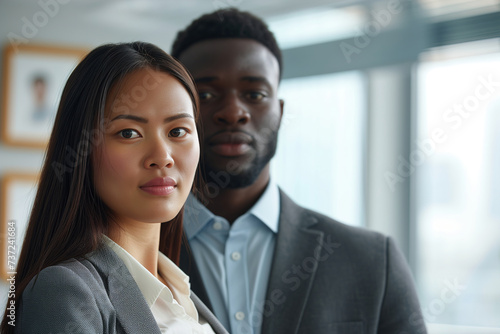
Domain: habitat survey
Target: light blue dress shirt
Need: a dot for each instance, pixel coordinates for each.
(235, 260)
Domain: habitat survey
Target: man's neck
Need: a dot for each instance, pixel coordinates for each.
(233, 203)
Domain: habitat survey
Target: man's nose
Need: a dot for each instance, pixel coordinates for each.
(233, 111)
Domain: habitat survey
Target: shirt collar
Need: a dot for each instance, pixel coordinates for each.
(149, 285)
(266, 209)
(196, 216)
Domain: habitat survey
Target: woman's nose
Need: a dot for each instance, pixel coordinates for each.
(159, 154)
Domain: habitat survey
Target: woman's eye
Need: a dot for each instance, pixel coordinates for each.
(129, 134)
(204, 96)
(178, 132)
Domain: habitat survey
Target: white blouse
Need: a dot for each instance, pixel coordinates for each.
(173, 310)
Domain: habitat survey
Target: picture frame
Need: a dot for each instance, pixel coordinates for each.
(17, 193)
(33, 80)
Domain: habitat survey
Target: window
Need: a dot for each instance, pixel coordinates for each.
(458, 8)
(445, 216)
(319, 161)
(317, 25)
(458, 187)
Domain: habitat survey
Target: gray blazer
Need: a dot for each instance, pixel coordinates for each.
(92, 295)
(327, 277)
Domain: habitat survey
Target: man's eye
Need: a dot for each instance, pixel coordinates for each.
(129, 134)
(204, 96)
(178, 132)
(256, 96)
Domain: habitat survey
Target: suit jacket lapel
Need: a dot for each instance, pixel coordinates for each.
(123, 293)
(293, 269)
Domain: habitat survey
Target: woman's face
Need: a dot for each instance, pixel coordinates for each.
(144, 168)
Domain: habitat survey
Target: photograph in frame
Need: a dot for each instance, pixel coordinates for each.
(33, 80)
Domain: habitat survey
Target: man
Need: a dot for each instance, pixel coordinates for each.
(262, 263)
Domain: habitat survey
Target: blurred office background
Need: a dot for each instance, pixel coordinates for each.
(392, 122)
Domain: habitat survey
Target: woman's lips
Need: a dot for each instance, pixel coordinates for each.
(160, 186)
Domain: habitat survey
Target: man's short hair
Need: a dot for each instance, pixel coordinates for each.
(227, 23)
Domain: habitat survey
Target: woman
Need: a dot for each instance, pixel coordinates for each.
(121, 160)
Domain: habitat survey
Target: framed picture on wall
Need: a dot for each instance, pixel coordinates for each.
(17, 196)
(33, 80)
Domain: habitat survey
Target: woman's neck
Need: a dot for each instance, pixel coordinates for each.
(141, 240)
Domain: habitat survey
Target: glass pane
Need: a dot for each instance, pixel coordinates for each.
(458, 8)
(319, 161)
(317, 25)
(458, 188)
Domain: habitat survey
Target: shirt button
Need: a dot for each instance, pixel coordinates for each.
(239, 316)
(217, 225)
(236, 256)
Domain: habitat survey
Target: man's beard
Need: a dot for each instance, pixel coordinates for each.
(244, 177)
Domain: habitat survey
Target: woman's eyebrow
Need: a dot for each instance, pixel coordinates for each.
(131, 117)
(180, 115)
(144, 120)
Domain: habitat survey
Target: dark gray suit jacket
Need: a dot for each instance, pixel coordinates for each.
(327, 277)
(92, 295)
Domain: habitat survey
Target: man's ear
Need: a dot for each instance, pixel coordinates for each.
(282, 104)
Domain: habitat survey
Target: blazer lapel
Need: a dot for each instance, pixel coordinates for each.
(204, 312)
(293, 269)
(132, 311)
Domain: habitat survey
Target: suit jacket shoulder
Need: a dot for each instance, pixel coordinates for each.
(328, 277)
(92, 295)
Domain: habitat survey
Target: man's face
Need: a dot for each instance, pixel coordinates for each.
(237, 81)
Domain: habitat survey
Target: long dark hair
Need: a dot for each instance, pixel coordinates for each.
(68, 217)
